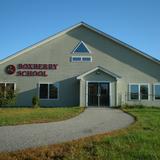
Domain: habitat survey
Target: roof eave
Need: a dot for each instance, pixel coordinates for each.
(71, 28)
(40, 43)
(80, 77)
(120, 42)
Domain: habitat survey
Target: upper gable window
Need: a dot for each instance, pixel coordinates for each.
(81, 48)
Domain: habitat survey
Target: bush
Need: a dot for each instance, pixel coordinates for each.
(7, 99)
(35, 102)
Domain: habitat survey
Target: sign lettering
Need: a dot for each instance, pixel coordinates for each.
(31, 69)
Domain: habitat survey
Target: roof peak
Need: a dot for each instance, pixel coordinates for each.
(81, 23)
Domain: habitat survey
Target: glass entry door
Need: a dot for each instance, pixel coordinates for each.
(98, 94)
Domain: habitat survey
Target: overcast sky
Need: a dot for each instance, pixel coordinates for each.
(25, 22)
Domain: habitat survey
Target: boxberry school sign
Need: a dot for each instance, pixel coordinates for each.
(31, 69)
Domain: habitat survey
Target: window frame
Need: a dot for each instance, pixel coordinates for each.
(154, 91)
(5, 83)
(81, 57)
(130, 92)
(76, 57)
(47, 91)
(74, 50)
(139, 91)
(48, 83)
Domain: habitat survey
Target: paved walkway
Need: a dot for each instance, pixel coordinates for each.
(92, 121)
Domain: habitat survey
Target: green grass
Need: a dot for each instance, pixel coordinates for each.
(14, 116)
(140, 141)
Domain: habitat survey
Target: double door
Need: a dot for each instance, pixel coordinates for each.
(98, 94)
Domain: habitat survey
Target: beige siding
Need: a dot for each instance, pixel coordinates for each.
(132, 67)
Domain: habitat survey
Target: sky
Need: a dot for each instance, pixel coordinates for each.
(25, 22)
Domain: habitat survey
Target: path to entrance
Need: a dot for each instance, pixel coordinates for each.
(92, 121)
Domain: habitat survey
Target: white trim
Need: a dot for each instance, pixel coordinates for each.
(110, 91)
(100, 68)
(71, 28)
(9, 82)
(81, 59)
(110, 94)
(71, 59)
(139, 92)
(154, 91)
(81, 42)
(116, 90)
(121, 43)
(86, 93)
(55, 83)
(48, 39)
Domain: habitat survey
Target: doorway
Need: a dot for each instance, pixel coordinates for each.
(98, 94)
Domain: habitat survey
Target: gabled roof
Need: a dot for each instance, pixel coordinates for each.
(73, 27)
(101, 69)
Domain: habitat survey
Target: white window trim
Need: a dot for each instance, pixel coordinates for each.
(5, 86)
(139, 95)
(154, 91)
(71, 59)
(81, 59)
(78, 46)
(57, 83)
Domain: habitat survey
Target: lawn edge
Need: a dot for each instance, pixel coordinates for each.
(47, 121)
(96, 137)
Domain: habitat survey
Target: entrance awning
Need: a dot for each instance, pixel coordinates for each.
(99, 68)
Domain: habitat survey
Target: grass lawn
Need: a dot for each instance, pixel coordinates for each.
(140, 141)
(14, 116)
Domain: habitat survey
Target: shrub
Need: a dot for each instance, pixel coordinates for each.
(35, 102)
(7, 99)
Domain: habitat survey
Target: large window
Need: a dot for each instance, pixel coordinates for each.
(48, 90)
(138, 91)
(7, 90)
(157, 91)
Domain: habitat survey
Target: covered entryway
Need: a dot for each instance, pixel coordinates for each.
(98, 87)
(98, 94)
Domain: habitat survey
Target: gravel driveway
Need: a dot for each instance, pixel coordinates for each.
(92, 121)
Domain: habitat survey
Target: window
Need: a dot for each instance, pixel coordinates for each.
(157, 91)
(48, 91)
(144, 91)
(7, 90)
(53, 91)
(2, 90)
(81, 59)
(138, 91)
(86, 59)
(43, 91)
(81, 48)
(134, 92)
(76, 59)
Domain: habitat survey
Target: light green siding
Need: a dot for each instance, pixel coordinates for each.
(132, 67)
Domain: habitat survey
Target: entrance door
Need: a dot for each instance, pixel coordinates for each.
(98, 94)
